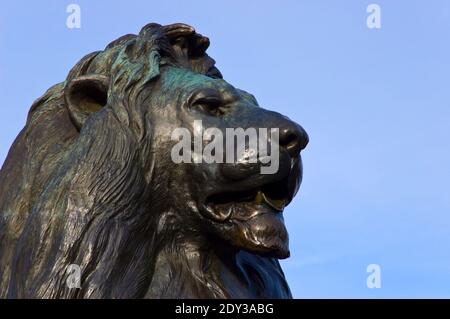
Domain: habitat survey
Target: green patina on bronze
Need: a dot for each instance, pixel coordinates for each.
(90, 181)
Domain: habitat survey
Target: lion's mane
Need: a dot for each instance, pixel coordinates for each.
(54, 166)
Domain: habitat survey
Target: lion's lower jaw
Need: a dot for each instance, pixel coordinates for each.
(217, 274)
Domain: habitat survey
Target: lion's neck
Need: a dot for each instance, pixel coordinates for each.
(199, 270)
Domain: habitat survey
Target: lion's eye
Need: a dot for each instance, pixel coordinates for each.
(211, 105)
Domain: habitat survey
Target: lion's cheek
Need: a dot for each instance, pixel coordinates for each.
(265, 234)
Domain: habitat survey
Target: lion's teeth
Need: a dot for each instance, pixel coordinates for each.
(224, 215)
(210, 209)
(230, 211)
(259, 198)
(277, 204)
(219, 214)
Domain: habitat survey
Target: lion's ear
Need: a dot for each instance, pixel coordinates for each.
(85, 95)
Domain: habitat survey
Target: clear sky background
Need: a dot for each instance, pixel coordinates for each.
(375, 102)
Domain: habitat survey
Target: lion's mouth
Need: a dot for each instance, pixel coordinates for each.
(249, 216)
(244, 205)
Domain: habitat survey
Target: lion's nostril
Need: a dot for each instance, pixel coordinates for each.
(293, 139)
(290, 139)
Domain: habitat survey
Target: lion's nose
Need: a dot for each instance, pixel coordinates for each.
(293, 138)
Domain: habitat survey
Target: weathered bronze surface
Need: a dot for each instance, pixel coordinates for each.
(90, 181)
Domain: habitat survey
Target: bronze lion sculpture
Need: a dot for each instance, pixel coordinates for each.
(89, 181)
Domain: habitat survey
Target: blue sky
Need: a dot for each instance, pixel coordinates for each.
(375, 103)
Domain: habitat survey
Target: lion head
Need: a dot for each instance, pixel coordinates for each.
(91, 181)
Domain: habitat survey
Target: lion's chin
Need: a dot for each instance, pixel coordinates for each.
(265, 234)
(255, 227)
(251, 220)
